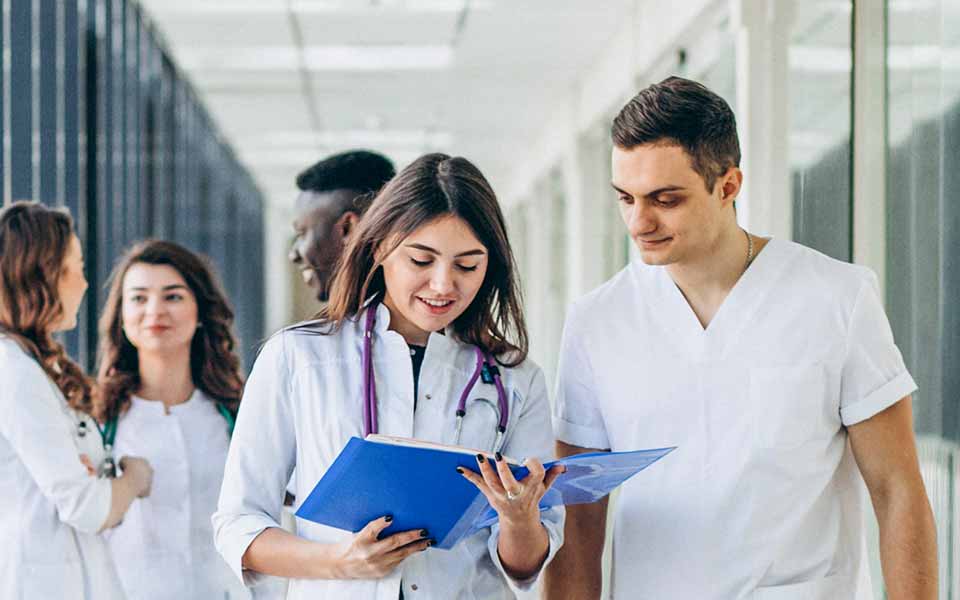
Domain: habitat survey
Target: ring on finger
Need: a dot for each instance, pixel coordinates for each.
(511, 496)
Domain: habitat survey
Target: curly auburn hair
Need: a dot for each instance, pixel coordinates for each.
(214, 365)
(34, 240)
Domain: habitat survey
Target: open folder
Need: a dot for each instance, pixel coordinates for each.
(416, 482)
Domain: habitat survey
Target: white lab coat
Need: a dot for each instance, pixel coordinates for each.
(50, 507)
(303, 402)
(164, 546)
(762, 499)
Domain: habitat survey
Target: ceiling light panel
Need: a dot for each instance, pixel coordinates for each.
(395, 29)
(319, 58)
(349, 7)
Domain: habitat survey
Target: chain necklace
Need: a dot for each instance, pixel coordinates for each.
(749, 250)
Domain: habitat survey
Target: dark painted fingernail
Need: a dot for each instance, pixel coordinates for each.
(480, 458)
(498, 456)
(423, 533)
(388, 518)
(460, 470)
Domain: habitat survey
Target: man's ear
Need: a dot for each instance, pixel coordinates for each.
(730, 184)
(346, 223)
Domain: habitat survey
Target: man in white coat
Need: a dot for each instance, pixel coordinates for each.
(770, 366)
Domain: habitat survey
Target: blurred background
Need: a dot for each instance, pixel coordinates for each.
(189, 120)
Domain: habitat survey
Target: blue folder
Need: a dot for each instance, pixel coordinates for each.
(420, 488)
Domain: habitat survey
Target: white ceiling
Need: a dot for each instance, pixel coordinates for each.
(290, 81)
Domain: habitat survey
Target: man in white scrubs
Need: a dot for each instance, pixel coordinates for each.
(770, 366)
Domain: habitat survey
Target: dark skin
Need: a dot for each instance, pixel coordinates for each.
(322, 228)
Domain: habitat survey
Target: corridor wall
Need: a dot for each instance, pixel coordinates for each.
(97, 117)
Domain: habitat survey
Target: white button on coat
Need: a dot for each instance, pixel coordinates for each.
(164, 546)
(304, 401)
(50, 507)
(762, 498)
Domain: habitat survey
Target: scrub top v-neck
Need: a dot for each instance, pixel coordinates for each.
(682, 327)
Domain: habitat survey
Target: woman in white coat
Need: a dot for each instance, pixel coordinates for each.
(53, 503)
(425, 287)
(170, 381)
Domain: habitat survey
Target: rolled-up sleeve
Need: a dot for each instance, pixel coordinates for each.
(40, 432)
(260, 461)
(532, 437)
(577, 419)
(874, 376)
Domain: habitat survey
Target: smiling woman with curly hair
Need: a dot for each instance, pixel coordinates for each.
(53, 503)
(170, 381)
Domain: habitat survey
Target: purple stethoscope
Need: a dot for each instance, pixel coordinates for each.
(486, 368)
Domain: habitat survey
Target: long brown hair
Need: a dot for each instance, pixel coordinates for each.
(34, 240)
(434, 186)
(214, 365)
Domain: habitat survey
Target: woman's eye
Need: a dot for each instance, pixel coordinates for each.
(174, 298)
(420, 263)
(466, 268)
(138, 299)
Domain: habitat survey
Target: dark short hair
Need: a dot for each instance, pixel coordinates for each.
(682, 112)
(362, 171)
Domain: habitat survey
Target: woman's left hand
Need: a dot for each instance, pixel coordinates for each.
(517, 502)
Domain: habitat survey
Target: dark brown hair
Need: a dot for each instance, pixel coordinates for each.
(435, 186)
(34, 241)
(685, 113)
(214, 365)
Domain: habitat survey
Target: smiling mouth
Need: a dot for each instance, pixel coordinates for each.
(655, 242)
(435, 306)
(435, 303)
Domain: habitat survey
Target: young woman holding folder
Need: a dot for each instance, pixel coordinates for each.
(53, 501)
(424, 337)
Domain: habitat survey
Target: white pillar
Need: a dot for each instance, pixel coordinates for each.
(535, 282)
(763, 37)
(870, 136)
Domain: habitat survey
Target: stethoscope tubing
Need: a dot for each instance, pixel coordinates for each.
(484, 362)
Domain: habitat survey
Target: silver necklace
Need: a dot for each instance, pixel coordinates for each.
(749, 249)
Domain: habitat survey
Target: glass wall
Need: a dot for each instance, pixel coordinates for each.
(819, 81)
(95, 116)
(923, 241)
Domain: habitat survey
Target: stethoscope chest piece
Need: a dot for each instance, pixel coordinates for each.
(108, 466)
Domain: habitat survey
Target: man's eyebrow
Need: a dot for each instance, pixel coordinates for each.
(474, 252)
(654, 193)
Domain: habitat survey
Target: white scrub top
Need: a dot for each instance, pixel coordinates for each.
(762, 498)
(164, 546)
(50, 507)
(303, 402)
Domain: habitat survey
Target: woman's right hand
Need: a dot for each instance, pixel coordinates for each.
(140, 474)
(365, 556)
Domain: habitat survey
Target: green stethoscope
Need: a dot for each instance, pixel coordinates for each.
(108, 433)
